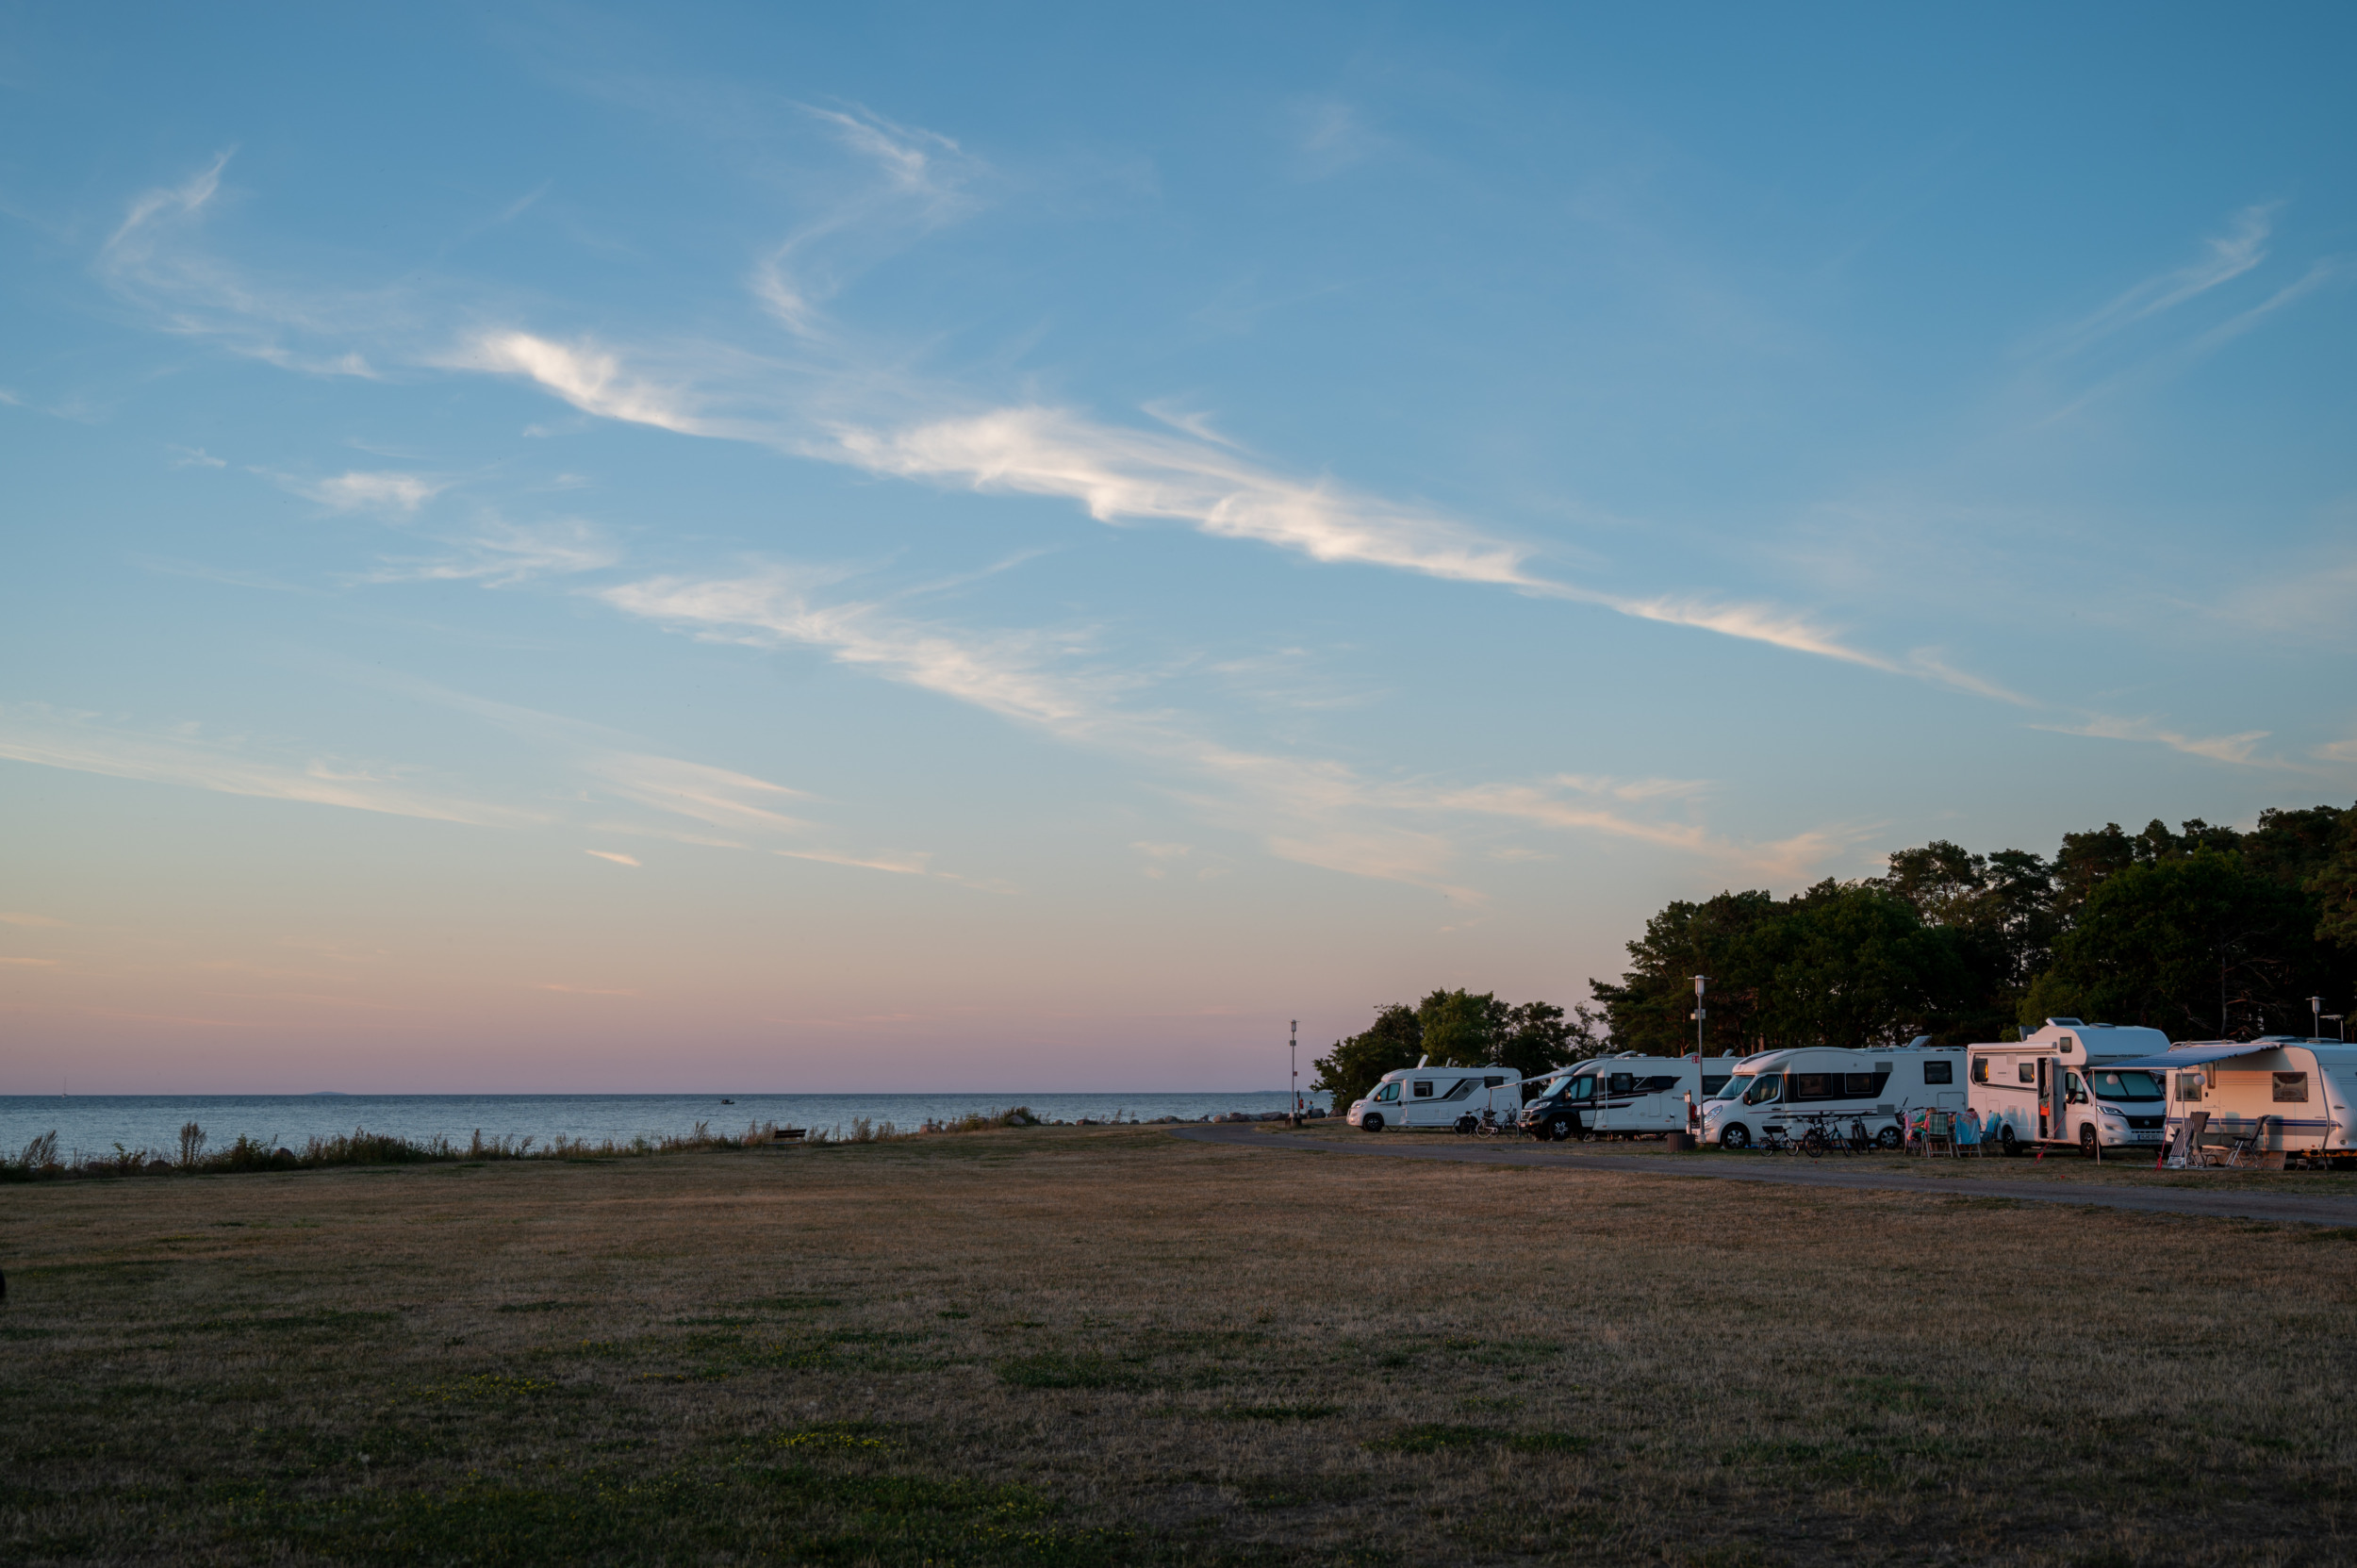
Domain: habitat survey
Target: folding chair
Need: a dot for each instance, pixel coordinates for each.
(2184, 1151)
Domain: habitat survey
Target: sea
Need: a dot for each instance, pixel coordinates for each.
(90, 1126)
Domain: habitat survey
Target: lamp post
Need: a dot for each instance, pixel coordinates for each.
(2315, 1017)
(2339, 1027)
(1700, 1013)
(1292, 1060)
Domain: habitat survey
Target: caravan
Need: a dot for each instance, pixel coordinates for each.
(2069, 1083)
(1782, 1092)
(1622, 1097)
(1425, 1096)
(2285, 1094)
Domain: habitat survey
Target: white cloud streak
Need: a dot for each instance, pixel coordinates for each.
(2223, 259)
(1314, 810)
(503, 553)
(2235, 749)
(400, 494)
(36, 735)
(1119, 475)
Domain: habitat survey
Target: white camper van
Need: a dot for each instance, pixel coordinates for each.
(1425, 1096)
(1785, 1091)
(2293, 1095)
(2068, 1084)
(1622, 1097)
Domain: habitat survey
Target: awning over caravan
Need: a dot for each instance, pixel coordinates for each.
(2193, 1056)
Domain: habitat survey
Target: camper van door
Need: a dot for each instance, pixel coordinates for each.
(2049, 1099)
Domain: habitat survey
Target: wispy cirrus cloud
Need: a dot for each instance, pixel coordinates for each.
(615, 856)
(501, 554)
(2223, 258)
(1312, 809)
(1117, 474)
(2235, 749)
(589, 377)
(400, 494)
(38, 735)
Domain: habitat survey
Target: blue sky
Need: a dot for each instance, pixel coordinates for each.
(576, 548)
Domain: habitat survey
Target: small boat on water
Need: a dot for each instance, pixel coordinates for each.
(725, 1101)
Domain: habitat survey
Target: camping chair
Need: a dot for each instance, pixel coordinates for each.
(1968, 1133)
(2184, 1151)
(1940, 1133)
(2249, 1151)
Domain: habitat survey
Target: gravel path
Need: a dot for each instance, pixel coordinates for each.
(2237, 1203)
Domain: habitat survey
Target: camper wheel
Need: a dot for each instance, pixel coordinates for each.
(1560, 1128)
(1735, 1135)
(2011, 1145)
(1371, 1122)
(2086, 1141)
(1466, 1125)
(1889, 1138)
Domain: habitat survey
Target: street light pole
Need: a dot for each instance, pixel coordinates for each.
(1700, 1013)
(2315, 1017)
(1292, 1059)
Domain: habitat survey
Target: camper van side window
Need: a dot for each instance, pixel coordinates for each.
(1939, 1072)
(1815, 1086)
(1464, 1086)
(2189, 1087)
(1711, 1087)
(1494, 1082)
(1622, 1083)
(1980, 1069)
(2029, 1072)
(1389, 1091)
(1659, 1081)
(1424, 1090)
(2291, 1088)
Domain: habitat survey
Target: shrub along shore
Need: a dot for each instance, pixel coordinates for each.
(40, 1158)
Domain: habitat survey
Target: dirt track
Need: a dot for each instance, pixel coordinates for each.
(2237, 1203)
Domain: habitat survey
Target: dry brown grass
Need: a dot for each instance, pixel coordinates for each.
(1083, 1345)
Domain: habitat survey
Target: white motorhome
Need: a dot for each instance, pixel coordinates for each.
(1622, 1097)
(1785, 1091)
(2292, 1094)
(2069, 1083)
(1425, 1096)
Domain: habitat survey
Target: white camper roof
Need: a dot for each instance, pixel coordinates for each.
(2194, 1053)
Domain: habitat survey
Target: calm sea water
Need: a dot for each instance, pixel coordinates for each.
(89, 1124)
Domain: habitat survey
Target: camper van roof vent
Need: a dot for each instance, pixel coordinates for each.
(2073, 1022)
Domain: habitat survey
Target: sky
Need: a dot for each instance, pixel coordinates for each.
(880, 548)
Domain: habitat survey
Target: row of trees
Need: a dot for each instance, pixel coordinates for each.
(1457, 1028)
(2202, 932)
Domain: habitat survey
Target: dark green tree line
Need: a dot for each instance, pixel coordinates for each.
(2202, 931)
(1457, 1028)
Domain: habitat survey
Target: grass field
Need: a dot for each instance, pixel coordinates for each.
(1075, 1345)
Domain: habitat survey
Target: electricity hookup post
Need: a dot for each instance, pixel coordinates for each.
(1292, 1060)
(1693, 1103)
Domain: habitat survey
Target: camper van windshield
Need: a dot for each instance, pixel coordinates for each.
(2127, 1086)
(1734, 1086)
